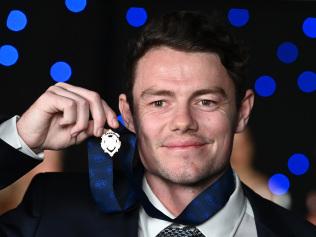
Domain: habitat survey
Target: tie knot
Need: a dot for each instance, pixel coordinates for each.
(175, 230)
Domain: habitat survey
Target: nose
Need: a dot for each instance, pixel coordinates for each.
(183, 120)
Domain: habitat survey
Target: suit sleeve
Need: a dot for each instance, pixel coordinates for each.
(13, 163)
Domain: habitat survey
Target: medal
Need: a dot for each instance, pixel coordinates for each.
(110, 142)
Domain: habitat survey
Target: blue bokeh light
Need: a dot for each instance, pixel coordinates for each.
(238, 17)
(265, 86)
(287, 52)
(279, 184)
(306, 81)
(76, 5)
(136, 16)
(60, 71)
(309, 27)
(8, 55)
(298, 164)
(16, 20)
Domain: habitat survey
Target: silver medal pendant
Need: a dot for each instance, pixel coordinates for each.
(110, 142)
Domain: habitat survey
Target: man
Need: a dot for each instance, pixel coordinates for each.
(187, 96)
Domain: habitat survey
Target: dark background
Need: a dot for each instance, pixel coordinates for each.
(94, 43)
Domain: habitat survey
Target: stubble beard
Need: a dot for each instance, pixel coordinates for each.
(188, 177)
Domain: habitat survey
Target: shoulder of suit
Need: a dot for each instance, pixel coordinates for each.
(55, 191)
(62, 202)
(61, 179)
(61, 184)
(277, 218)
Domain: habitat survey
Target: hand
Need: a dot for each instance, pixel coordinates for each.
(59, 118)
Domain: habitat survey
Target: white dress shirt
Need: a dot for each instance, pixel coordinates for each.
(236, 218)
(9, 134)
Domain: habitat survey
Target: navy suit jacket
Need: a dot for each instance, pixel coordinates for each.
(60, 204)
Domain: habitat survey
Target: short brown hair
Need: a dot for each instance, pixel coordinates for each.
(191, 32)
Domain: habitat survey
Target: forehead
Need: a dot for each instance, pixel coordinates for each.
(174, 69)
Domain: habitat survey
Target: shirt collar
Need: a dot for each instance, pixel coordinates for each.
(223, 223)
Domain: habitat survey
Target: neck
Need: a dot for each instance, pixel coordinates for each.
(175, 197)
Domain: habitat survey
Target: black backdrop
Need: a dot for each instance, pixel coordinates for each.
(94, 42)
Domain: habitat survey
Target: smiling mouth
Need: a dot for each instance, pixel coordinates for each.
(185, 143)
(184, 146)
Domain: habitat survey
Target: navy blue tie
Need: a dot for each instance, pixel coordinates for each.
(116, 184)
(106, 177)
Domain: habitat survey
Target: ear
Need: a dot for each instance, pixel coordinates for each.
(126, 113)
(244, 111)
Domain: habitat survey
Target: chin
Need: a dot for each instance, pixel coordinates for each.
(190, 173)
(185, 177)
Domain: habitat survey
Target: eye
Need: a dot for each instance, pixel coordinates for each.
(158, 103)
(207, 102)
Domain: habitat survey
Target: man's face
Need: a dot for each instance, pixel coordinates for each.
(184, 115)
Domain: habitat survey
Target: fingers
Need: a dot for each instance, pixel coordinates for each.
(85, 133)
(111, 117)
(81, 109)
(86, 101)
(53, 103)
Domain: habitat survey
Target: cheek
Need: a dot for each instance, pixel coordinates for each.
(149, 128)
(150, 123)
(218, 125)
(148, 131)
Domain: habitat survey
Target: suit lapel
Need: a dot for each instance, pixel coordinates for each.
(264, 211)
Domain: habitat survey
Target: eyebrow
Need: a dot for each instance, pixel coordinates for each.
(154, 92)
(216, 90)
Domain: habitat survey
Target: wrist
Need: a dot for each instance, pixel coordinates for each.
(24, 138)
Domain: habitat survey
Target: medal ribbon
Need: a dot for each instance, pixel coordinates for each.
(113, 196)
(103, 183)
